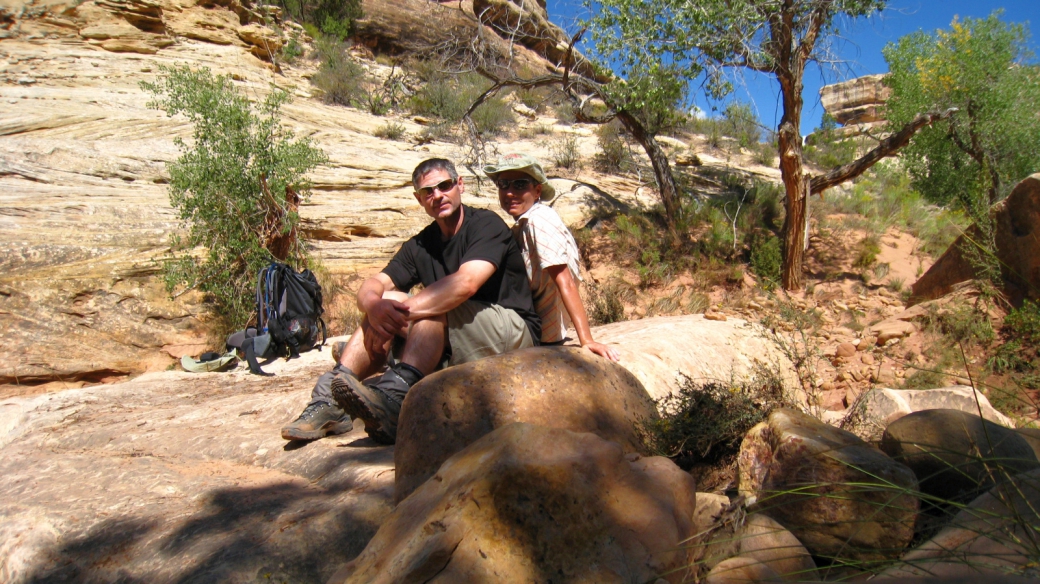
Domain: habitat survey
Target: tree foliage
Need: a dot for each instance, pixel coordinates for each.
(775, 37)
(978, 66)
(236, 187)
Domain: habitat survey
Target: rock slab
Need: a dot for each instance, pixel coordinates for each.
(661, 350)
(559, 387)
(1017, 220)
(880, 407)
(954, 453)
(533, 504)
(838, 495)
(991, 537)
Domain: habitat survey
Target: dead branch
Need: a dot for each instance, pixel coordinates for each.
(886, 147)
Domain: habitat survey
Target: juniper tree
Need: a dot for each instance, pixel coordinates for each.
(236, 186)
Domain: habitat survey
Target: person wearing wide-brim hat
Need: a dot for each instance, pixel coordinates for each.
(549, 250)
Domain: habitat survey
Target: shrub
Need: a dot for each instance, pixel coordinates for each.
(614, 155)
(447, 96)
(332, 17)
(740, 123)
(766, 259)
(564, 153)
(292, 49)
(390, 131)
(706, 422)
(341, 80)
(236, 189)
(869, 248)
(604, 304)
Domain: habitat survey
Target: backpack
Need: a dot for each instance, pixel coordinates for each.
(288, 316)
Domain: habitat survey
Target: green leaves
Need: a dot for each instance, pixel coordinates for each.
(978, 66)
(235, 187)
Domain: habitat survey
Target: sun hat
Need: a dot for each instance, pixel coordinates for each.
(525, 164)
(208, 362)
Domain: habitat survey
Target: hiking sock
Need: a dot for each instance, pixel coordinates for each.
(410, 374)
(396, 381)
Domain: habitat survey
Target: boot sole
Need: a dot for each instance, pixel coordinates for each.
(327, 429)
(354, 398)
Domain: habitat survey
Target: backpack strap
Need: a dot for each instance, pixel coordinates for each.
(254, 365)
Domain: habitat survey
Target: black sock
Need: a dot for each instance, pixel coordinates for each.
(410, 374)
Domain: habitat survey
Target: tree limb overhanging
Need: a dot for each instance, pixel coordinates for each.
(887, 147)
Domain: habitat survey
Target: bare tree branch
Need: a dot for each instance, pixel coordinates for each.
(887, 147)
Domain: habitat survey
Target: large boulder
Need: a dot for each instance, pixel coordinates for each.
(660, 351)
(994, 535)
(838, 495)
(856, 101)
(878, 408)
(528, 503)
(954, 453)
(1017, 221)
(558, 387)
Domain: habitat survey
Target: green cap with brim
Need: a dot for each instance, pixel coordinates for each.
(525, 164)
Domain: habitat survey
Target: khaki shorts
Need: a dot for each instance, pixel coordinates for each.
(478, 329)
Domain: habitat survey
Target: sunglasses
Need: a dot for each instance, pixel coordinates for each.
(518, 184)
(443, 187)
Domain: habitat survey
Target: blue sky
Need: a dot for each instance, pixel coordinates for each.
(860, 45)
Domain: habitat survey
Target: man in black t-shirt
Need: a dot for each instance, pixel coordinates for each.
(475, 302)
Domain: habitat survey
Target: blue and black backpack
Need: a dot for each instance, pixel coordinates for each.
(288, 317)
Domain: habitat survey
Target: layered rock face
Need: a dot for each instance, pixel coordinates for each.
(856, 101)
(85, 215)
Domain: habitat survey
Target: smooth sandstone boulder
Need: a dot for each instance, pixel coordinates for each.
(880, 407)
(532, 504)
(760, 541)
(954, 453)
(838, 495)
(993, 536)
(660, 350)
(558, 387)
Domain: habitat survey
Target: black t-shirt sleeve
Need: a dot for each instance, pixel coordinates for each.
(489, 241)
(402, 269)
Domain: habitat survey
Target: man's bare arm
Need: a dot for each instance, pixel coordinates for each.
(447, 293)
(386, 317)
(572, 302)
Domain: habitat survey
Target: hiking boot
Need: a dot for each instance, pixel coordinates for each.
(370, 403)
(319, 419)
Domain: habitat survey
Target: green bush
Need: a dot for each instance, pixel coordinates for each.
(236, 188)
(739, 122)
(390, 131)
(766, 259)
(332, 17)
(564, 153)
(1024, 323)
(605, 304)
(447, 96)
(706, 422)
(341, 80)
(614, 155)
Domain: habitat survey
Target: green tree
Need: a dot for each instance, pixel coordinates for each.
(774, 37)
(974, 158)
(236, 187)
